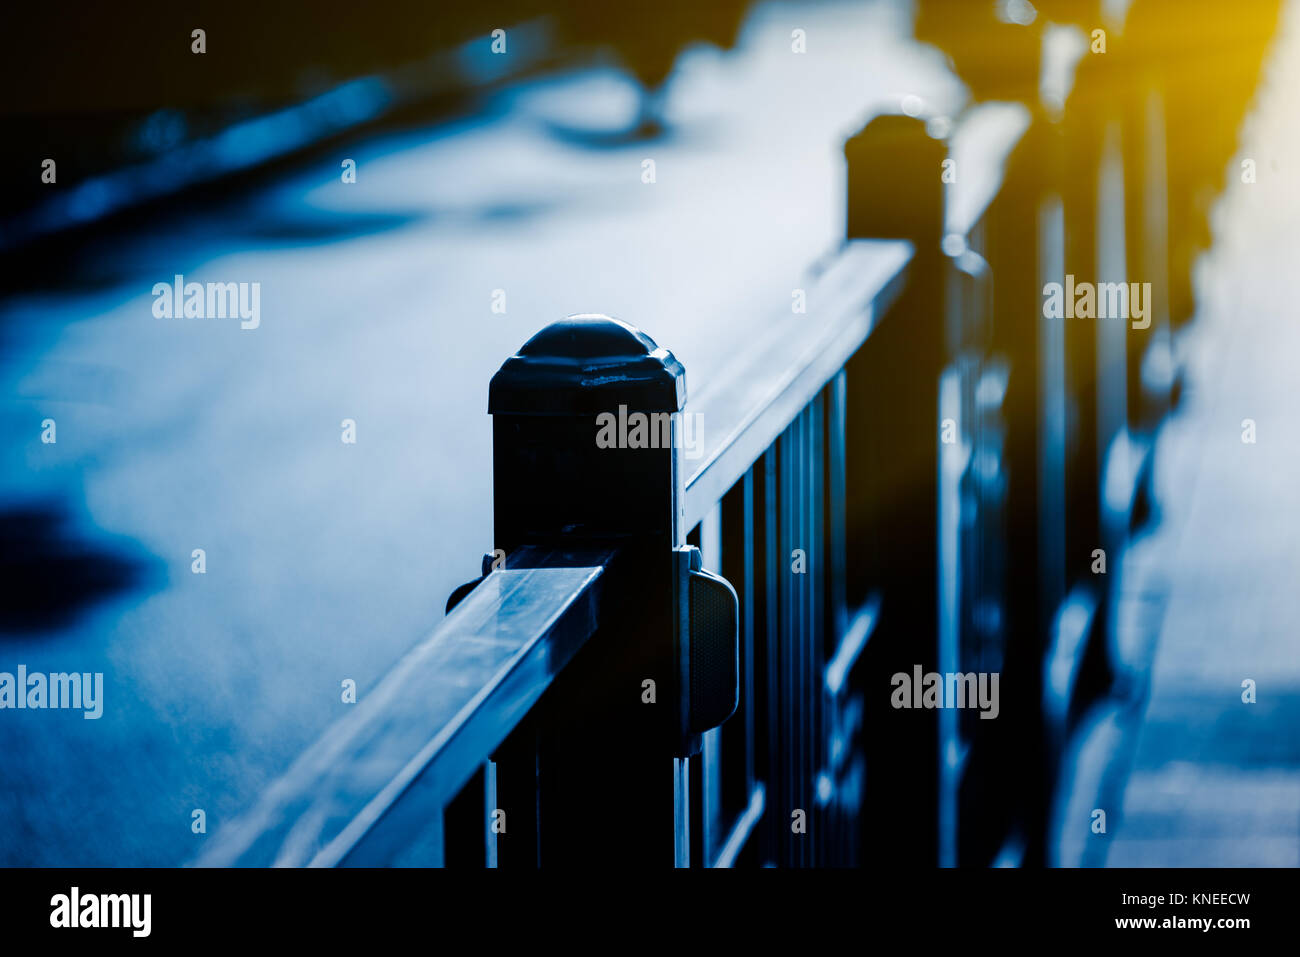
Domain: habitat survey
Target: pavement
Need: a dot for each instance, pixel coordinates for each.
(1215, 780)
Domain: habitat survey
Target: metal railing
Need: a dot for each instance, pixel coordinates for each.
(380, 786)
(888, 483)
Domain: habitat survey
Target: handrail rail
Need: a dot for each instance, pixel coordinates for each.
(430, 722)
(746, 410)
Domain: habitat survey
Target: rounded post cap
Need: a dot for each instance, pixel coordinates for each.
(588, 364)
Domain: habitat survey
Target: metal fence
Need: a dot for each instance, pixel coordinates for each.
(915, 476)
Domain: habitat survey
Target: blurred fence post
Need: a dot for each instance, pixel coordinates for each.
(893, 437)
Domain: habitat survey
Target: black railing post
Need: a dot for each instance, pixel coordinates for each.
(1023, 235)
(555, 486)
(895, 191)
(587, 452)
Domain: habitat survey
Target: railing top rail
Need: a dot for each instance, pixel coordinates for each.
(433, 718)
(747, 408)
